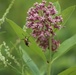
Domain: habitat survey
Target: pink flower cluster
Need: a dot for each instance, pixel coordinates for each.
(43, 21)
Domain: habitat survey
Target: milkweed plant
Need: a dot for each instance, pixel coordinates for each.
(38, 35)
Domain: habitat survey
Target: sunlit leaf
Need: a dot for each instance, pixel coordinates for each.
(70, 71)
(67, 13)
(30, 63)
(65, 47)
(21, 34)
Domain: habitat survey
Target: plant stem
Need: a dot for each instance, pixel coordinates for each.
(6, 12)
(49, 66)
(49, 69)
(15, 69)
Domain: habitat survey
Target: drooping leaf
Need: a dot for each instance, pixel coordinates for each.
(67, 13)
(70, 71)
(65, 47)
(21, 34)
(33, 67)
(58, 8)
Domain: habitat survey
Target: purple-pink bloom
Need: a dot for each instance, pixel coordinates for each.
(43, 21)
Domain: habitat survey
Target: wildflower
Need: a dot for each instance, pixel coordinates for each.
(43, 21)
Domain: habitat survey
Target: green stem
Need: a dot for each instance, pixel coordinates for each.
(49, 69)
(49, 66)
(23, 70)
(6, 12)
(15, 69)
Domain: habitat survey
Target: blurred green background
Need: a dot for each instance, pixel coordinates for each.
(18, 14)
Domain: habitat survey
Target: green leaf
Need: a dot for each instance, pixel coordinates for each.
(37, 49)
(21, 34)
(18, 30)
(70, 71)
(33, 67)
(67, 13)
(57, 5)
(64, 47)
